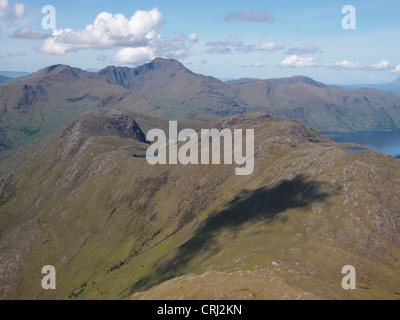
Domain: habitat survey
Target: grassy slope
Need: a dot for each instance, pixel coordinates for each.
(114, 225)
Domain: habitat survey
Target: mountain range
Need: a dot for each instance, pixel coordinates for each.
(34, 105)
(391, 87)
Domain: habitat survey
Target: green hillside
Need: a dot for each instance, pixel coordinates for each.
(115, 227)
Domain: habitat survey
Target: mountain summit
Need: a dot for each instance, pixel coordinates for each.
(176, 90)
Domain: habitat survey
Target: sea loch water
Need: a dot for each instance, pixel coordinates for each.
(384, 141)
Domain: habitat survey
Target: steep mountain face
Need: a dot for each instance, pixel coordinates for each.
(116, 227)
(325, 108)
(37, 104)
(177, 91)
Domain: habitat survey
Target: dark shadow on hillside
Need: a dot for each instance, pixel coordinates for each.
(262, 204)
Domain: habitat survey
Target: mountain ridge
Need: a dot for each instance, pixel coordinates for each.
(34, 105)
(116, 227)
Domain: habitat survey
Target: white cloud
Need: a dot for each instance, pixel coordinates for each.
(14, 13)
(271, 46)
(19, 10)
(258, 64)
(135, 37)
(194, 37)
(134, 55)
(344, 65)
(107, 31)
(383, 65)
(295, 61)
(396, 69)
(4, 7)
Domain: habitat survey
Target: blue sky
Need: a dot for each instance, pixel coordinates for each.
(225, 39)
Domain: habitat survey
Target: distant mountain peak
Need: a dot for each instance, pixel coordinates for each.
(61, 69)
(158, 64)
(300, 79)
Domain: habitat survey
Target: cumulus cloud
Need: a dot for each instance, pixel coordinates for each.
(135, 55)
(304, 49)
(383, 65)
(135, 37)
(258, 64)
(107, 31)
(250, 16)
(13, 13)
(295, 61)
(4, 7)
(194, 37)
(396, 69)
(271, 47)
(29, 34)
(344, 65)
(19, 10)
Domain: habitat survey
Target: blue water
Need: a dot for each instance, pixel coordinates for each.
(356, 150)
(386, 142)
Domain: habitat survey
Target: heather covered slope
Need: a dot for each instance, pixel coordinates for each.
(114, 226)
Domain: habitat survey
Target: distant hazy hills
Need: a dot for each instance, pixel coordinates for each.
(116, 227)
(36, 104)
(391, 87)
